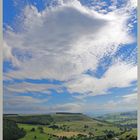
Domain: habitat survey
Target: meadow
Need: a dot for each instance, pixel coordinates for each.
(72, 126)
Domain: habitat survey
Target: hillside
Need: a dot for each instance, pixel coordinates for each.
(49, 118)
(69, 126)
(62, 117)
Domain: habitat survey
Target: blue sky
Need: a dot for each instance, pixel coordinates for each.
(73, 56)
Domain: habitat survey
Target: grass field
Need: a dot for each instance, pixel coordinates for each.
(47, 132)
(70, 126)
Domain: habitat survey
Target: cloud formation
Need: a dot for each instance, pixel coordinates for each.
(66, 40)
(26, 87)
(118, 75)
(25, 104)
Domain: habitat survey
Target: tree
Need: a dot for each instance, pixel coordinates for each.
(41, 129)
(110, 134)
(11, 131)
(85, 126)
(91, 134)
(33, 129)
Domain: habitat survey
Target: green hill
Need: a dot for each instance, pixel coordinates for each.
(31, 119)
(62, 117)
(70, 126)
(47, 119)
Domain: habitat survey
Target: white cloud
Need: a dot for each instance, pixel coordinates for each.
(68, 107)
(25, 87)
(64, 42)
(118, 75)
(125, 103)
(128, 102)
(17, 103)
(7, 54)
(133, 4)
(25, 104)
(130, 98)
(22, 100)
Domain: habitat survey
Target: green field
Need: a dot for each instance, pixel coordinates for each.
(71, 127)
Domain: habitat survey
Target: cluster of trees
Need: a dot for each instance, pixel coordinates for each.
(11, 131)
(54, 126)
(39, 128)
(62, 127)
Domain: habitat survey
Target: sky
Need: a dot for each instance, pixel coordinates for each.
(69, 56)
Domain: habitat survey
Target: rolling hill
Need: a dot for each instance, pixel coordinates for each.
(69, 126)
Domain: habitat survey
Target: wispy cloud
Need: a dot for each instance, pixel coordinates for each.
(30, 105)
(130, 97)
(22, 100)
(26, 87)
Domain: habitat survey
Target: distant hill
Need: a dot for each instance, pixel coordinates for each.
(129, 114)
(68, 113)
(10, 115)
(60, 117)
(48, 118)
(122, 118)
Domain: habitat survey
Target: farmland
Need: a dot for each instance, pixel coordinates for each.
(71, 126)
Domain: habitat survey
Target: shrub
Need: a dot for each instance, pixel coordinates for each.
(33, 129)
